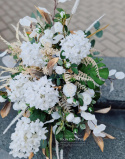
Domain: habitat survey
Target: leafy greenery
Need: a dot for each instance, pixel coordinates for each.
(38, 114)
(99, 34)
(97, 25)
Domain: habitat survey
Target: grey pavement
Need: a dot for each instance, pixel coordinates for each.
(113, 42)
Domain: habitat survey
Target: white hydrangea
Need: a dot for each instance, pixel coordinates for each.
(32, 55)
(39, 93)
(27, 137)
(86, 98)
(59, 70)
(19, 106)
(69, 90)
(76, 47)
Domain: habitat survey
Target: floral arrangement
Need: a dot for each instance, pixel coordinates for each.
(54, 82)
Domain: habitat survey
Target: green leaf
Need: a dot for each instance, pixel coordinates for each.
(43, 144)
(74, 65)
(97, 25)
(69, 136)
(56, 20)
(93, 43)
(38, 114)
(75, 70)
(60, 62)
(33, 15)
(58, 82)
(101, 65)
(88, 33)
(15, 57)
(38, 14)
(14, 75)
(60, 136)
(59, 9)
(62, 57)
(67, 16)
(58, 15)
(80, 101)
(90, 84)
(96, 53)
(99, 34)
(104, 73)
(66, 28)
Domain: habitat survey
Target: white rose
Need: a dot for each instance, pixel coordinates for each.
(26, 21)
(70, 117)
(59, 70)
(62, 14)
(2, 99)
(69, 90)
(86, 98)
(90, 92)
(58, 27)
(76, 120)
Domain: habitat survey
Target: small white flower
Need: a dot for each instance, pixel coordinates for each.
(76, 120)
(26, 21)
(112, 72)
(44, 9)
(120, 75)
(68, 65)
(46, 41)
(90, 92)
(70, 117)
(58, 27)
(57, 38)
(92, 124)
(19, 106)
(62, 14)
(98, 130)
(86, 98)
(87, 116)
(84, 107)
(59, 70)
(62, 1)
(55, 115)
(69, 89)
(70, 100)
(2, 99)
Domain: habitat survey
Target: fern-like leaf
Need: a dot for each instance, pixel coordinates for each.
(63, 103)
(89, 61)
(67, 77)
(80, 86)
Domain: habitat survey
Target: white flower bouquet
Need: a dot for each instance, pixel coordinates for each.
(54, 82)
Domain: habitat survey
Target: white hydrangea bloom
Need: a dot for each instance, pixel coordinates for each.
(31, 55)
(2, 99)
(19, 106)
(27, 137)
(59, 70)
(39, 93)
(76, 47)
(90, 92)
(69, 89)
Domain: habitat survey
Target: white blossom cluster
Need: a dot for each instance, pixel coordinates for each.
(39, 93)
(31, 55)
(27, 137)
(76, 47)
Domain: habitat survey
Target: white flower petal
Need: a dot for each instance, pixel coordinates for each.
(120, 75)
(55, 115)
(99, 134)
(57, 38)
(88, 116)
(99, 129)
(112, 72)
(8, 61)
(70, 117)
(92, 124)
(84, 107)
(76, 120)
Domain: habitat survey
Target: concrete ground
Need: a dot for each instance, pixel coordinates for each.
(113, 42)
